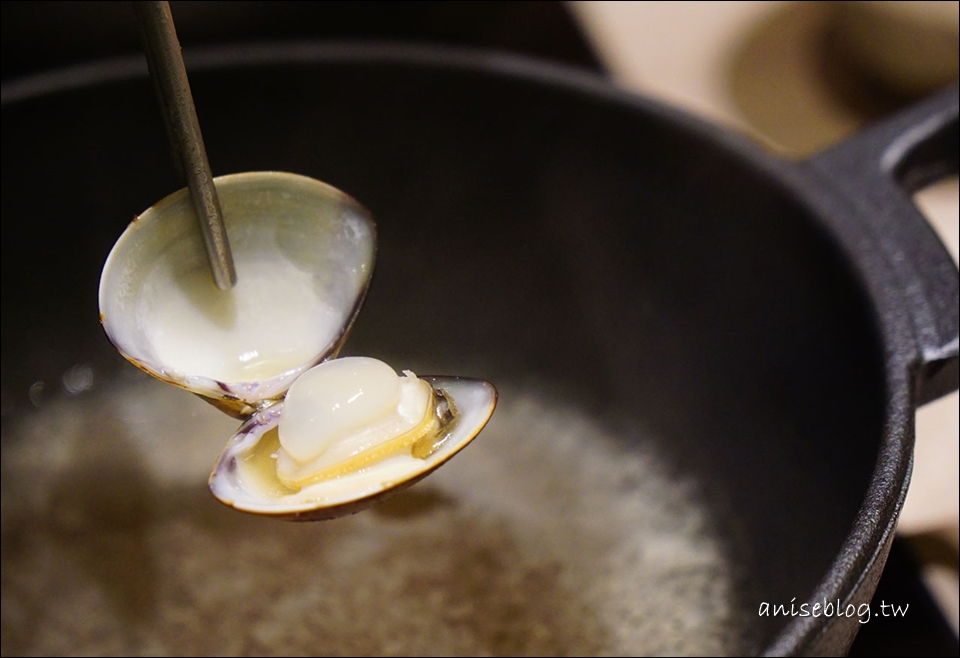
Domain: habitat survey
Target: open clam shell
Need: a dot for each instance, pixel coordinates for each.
(304, 255)
(245, 475)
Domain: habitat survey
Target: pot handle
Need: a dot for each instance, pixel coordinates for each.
(879, 168)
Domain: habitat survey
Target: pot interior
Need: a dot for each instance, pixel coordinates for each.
(691, 386)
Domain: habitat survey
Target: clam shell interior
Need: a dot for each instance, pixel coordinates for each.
(244, 477)
(304, 254)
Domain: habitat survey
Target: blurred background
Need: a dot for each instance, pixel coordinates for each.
(796, 77)
(799, 77)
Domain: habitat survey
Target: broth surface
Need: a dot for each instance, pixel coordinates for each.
(545, 536)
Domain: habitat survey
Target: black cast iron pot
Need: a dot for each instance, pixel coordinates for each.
(771, 327)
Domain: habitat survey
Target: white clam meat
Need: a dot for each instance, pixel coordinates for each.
(338, 443)
(344, 414)
(317, 441)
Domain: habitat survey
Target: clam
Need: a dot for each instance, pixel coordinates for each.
(312, 456)
(321, 436)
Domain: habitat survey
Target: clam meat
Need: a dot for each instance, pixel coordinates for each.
(348, 432)
(321, 436)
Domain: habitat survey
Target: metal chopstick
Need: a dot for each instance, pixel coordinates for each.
(165, 62)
